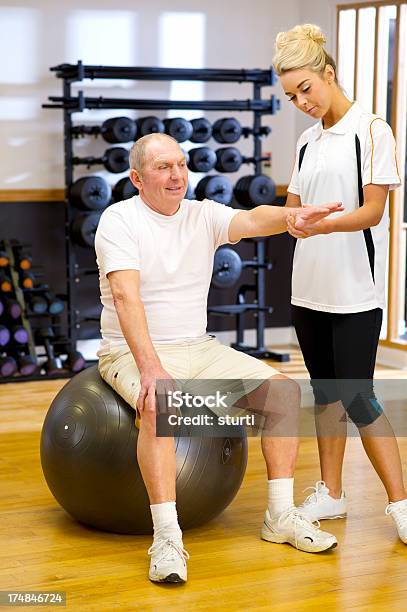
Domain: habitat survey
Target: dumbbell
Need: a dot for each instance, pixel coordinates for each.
(124, 189)
(4, 335)
(75, 361)
(115, 159)
(55, 306)
(201, 159)
(12, 308)
(218, 188)
(6, 286)
(27, 365)
(202, 130)
(227, 130)
(19, 334)
(178, 128)
(24, 261)
(227, 268)
(22, 258)
(149, 125)
(90, 193)
(8, 366)
(229, 159)
(37, 304)
(84, 228)
(255, 190)
(116, 129)
(44, 336)
(4, 260)
(27, 280)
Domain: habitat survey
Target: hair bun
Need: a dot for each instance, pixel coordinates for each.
(313, 32)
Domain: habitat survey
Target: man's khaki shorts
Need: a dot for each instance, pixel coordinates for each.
(204, 359)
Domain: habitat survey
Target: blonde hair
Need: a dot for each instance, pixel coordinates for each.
(138, 152)
(302, 47)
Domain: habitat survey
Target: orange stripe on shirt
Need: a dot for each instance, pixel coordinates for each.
(371, 157)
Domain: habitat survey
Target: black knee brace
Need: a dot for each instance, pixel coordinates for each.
(360, 402)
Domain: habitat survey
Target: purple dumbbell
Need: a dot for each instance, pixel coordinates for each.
(20, 334)
(13, 309)
(4, 335)
(27, 365)
(8, 366)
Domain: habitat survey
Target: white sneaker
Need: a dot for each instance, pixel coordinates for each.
(292, 527)
(398, 512)
(168, 561)
(320, 505)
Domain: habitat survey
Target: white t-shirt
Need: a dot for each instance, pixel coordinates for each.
(175, 257)
(333, 272)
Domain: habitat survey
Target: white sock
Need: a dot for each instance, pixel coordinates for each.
(165, 521)
(280, 495)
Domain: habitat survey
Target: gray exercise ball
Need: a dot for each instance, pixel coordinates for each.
(88, 456)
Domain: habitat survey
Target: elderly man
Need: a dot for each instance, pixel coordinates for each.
(155, 256)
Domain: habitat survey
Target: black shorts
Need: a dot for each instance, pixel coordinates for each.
(340, 349)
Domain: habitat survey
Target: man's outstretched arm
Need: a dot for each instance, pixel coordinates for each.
(270, 220)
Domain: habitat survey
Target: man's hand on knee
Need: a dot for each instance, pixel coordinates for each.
(148, 379)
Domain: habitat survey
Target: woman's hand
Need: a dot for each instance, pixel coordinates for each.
(311, 220)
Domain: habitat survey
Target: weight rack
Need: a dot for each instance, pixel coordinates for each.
(29, 320)
(69, 103)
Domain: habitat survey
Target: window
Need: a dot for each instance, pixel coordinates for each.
(372, 68)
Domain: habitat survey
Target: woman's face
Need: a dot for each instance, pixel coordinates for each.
(309, 91)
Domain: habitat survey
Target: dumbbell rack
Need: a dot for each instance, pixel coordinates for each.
(19, 296)
(69, 103)
(29, 348)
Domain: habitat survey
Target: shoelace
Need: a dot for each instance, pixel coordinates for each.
(171, 546)
(299, 521)
(314, 497)
(399, 512)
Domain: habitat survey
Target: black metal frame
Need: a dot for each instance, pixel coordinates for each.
(71, 73)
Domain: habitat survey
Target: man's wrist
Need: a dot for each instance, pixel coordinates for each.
(148, 363)
(328, 226)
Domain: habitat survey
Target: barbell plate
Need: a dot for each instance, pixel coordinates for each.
(116, 159)
(119, 129)
(84, 228)
(150, 125)
(201, 159)
(228, 159)
(178, 128)
(91, 193)
(202, 130)
(124, 189)
(227, 130)
(227, 268)
(262, 190)
(255, 190)
(217, 188)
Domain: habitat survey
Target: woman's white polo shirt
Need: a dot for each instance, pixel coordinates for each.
(333, 272)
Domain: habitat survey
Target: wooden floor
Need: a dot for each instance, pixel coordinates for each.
(230, 567)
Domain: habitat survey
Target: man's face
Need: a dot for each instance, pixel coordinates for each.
(164, 179)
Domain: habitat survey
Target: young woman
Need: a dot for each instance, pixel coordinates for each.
(338, 285)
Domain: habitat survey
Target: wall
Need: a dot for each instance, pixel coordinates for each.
(237, 35)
